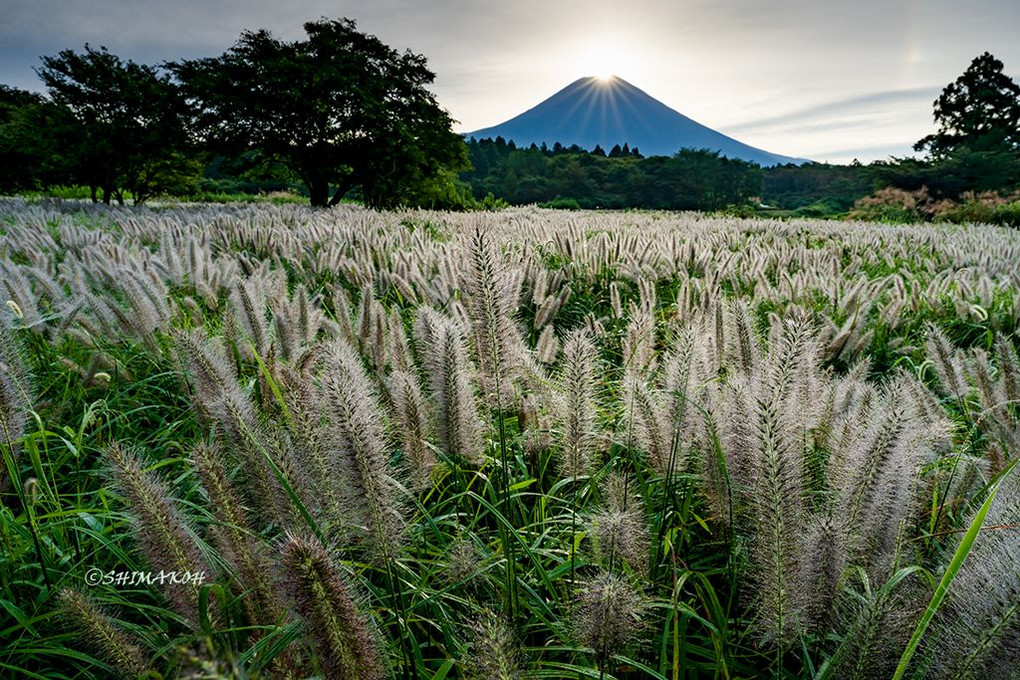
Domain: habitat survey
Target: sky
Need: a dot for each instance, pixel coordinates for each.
(820, 79)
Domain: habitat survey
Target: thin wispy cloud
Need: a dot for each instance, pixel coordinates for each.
(841, 108)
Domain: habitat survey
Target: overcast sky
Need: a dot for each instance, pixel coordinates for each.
(809, 78)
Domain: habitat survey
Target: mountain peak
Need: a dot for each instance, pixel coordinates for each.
(607, 81)
(606, 111)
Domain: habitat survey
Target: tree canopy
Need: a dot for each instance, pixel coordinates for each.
(979, 111)
(341, 109)
(125, 125)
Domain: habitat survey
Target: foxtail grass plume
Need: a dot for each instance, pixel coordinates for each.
(458, 425)
(425, 333)
(463, 561)
(619, 529)
(97, 631)
(398, 347)
(235, 541)
(946, 360)
(491, 652)
(638, 344)
(249, 305)
(1009, 369)
(607, 616)
(825, 546)
(980, 618)
(218, 396)
(647, 430)
(148, 299)
(344, 641)
(744, 348)
(318, 464)
(372, 322)
(411, 416)
(678, 383)
(165, 535)
(776, 496)
(356, 426)
(15, 395)
(578, 421)
(878, 619)
(221, 401)
(548, 345)
(491, 302)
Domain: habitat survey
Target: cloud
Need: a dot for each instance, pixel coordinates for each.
(841, 108)
(864, 153)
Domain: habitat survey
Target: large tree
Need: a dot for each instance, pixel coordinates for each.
(341, 109)
(128, 123)
(979, 111)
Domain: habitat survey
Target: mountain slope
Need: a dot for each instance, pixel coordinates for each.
(591, 111)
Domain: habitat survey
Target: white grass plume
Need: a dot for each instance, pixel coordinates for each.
(578, 434)
(358, 434)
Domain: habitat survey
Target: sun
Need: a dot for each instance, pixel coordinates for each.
(601, 57)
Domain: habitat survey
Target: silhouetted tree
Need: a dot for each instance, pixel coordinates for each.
(980, 110)
(340, 108)
(126, 129)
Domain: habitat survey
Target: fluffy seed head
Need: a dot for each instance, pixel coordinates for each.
(492, 653)
(342, 636)
(577, 385)
(607, 616)
(164, 534)
(97, 631)
(359, 439)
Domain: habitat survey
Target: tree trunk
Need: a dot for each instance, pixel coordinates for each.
(318, 192)
(340, 193)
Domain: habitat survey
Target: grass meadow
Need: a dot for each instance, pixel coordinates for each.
(526, 444)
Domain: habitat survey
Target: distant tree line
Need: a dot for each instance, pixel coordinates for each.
(622, 178)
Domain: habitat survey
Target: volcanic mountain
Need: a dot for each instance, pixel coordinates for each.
(606, 112)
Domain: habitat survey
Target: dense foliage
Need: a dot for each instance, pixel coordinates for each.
(341, 112)
(340, 109)
(979, 111)
(124, 130)
(528, 444)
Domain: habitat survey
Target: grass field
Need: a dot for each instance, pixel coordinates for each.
(527, 444)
